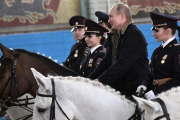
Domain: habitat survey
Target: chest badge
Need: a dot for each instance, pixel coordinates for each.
(90, 63)
(163, 59)
(76, 53)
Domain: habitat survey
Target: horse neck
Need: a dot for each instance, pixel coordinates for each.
(85, 95)
(24, 74)
(172, 104)
(171, 99)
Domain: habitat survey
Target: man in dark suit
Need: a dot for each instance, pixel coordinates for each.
(125, 65)
(79, 49)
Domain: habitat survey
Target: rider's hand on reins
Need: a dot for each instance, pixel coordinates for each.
(141, 90)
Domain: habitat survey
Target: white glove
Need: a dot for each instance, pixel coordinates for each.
(139, 89)
(150, 95)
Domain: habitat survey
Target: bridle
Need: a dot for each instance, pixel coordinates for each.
(163, 106)
(53, 96)
(8, 101)
(138, 113)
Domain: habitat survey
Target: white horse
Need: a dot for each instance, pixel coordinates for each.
(80, 99)
(153, 109)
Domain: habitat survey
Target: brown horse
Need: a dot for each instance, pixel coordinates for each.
(16, 78)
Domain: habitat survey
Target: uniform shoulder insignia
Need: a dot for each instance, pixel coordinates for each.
(86, 51)
(176, 44)
(98, 61)
(101, 51)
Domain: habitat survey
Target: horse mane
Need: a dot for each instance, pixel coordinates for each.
(45, 59)
(172, 92)
(96, 84)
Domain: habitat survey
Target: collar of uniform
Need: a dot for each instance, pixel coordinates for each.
(80, 41)
(124, 27)
(167, 42)
(94, 48)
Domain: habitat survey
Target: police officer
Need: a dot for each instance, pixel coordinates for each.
(94, 39)
(103, 20)
(79, 49)
(165, 61)
(125, 64)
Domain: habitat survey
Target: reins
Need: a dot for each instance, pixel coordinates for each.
(138, 113)
(163, 106)
(53, 96)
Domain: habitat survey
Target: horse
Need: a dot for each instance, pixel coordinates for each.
(165, 106)
(16, 78)
(78, 98)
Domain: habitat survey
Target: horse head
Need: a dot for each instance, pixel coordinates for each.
(45, 108)
(152, 109)
(16, 76)
(164, 107)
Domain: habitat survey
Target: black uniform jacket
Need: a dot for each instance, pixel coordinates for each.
(91, 61)
(76, 55)
(164, 64)
(131, 66)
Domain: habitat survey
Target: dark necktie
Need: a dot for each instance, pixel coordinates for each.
(160, 48)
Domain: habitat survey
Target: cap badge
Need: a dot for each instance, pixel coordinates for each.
(86, 28)
(76, 23)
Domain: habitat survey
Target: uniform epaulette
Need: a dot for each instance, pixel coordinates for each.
(101, 51)
(176, 44)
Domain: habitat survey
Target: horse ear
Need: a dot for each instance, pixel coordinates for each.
(146, 103)
(41, 79)
(7, 53)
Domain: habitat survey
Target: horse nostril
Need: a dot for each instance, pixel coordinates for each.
(41, 110)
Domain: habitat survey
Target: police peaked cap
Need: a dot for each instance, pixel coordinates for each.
(92, 27)
(159, 20)
(102, 17)
(76, 22)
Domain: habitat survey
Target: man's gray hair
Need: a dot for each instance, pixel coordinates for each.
(125, 9)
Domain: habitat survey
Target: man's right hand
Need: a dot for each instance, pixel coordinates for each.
(141, 87)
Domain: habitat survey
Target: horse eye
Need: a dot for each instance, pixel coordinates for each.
(41, 110)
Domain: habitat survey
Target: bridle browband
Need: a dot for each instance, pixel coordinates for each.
(163, 106)
(53, 96)
(7, 101)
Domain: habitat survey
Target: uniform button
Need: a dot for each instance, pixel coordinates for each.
(69, 65)
(153, 69)
(83, 72)
(67, 59)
